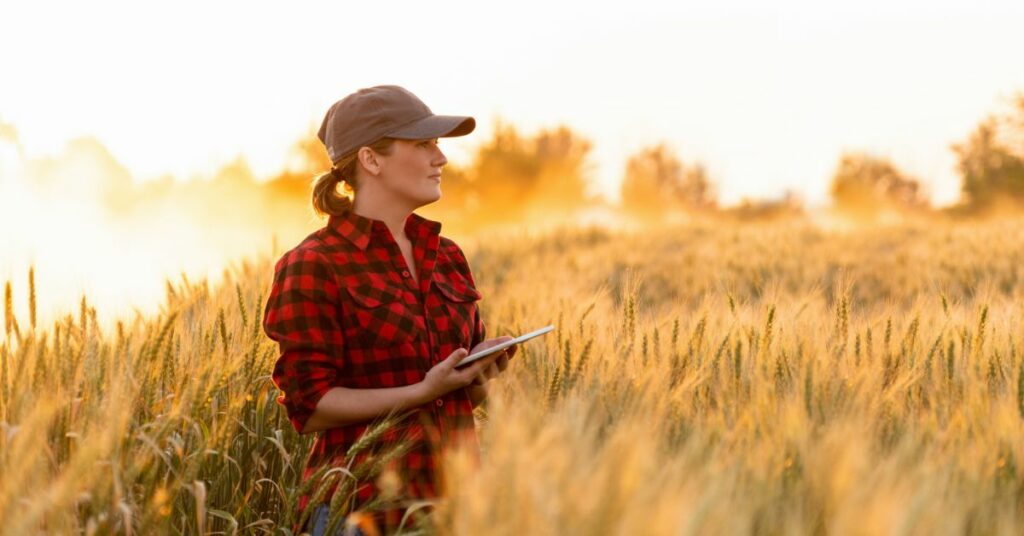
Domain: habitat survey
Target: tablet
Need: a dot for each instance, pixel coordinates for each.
(499, 347)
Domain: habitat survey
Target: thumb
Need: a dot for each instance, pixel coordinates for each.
(457, 356)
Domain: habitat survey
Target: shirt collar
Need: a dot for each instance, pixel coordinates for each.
(359, 229)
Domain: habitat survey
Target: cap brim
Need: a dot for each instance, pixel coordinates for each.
(436, 126)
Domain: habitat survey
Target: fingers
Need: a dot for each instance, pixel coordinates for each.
(472, 371)
(487, 374)
(492, 371)
(487, 368)
(497, 340)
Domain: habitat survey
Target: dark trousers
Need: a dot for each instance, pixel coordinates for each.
(317, 524)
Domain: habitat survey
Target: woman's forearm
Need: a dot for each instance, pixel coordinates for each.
(342, 405)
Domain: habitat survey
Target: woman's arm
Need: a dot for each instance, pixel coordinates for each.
(341, 405)
(301, 316)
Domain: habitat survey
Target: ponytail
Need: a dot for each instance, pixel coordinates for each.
(327, 201)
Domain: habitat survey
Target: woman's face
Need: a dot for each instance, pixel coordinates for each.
(413, 171)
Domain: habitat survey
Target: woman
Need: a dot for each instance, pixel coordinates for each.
(373, 311)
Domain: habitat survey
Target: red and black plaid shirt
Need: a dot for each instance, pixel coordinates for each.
(346, 312)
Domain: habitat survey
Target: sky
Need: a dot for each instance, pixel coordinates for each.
(766, 96)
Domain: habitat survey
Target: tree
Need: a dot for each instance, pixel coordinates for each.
(991, 161)
(866, 185)
(502, 174)
(656, 181)
(512, 175)
(563, 169)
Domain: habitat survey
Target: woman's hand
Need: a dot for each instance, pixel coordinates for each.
(498, 365)
(443, 377)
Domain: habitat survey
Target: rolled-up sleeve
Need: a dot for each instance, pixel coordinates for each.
(301, 315)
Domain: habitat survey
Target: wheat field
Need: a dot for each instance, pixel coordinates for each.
(706, 378)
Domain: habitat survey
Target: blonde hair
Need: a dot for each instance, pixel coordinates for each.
(326, 199)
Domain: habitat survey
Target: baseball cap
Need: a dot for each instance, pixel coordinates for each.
(386, 111)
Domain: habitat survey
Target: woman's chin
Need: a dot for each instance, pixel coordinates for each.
(430, 196)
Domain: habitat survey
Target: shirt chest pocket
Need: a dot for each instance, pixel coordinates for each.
(381, 313)
(459, 303)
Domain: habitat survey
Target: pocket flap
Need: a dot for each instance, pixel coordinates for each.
(457, 290)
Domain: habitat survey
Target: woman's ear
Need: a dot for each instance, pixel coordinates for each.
(369, 160)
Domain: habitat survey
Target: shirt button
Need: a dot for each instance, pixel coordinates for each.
(405, 273)
(439, 402)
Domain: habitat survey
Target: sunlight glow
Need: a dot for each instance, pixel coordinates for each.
(766, 97)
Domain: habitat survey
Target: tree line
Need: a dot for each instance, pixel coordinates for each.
(512, 176)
